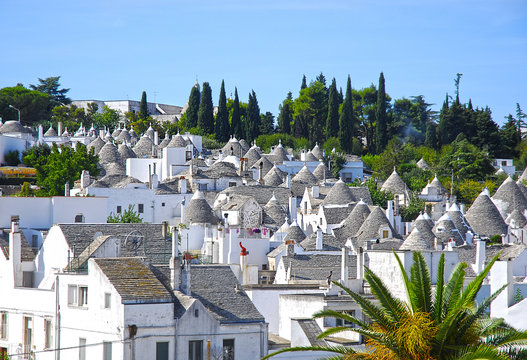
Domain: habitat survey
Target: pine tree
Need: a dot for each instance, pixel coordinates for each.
(266, 126)
(509, 139)
(236, 121)
(253, 118)
(346, 121)
(143, 107)
(445, 128)
(332, 122)
(430, 135)
(222, 117)
(381, 138)
(206, 110)
(193, 106)
(304, 83)
(286, 115)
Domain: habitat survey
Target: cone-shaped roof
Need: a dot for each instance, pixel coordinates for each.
(369, 230)
(294, 233)
(163, 144)
(50, 132)
(394, 184)
(177, 142)
(96, 144)
(437, 184)
(459, 219)
(274, 212)
(311, 157)
(116, 133)
(252, 156)
(305, 176)
(109, 154)
(274, 177)
(267, 165)
(198, 211)
(517, 218)
(317, 152)
(150, 133)
(422, 164)
(126, 152)
(233, 146)
(416, 242)
(322, 172)
(124, 136)
(509, 197)
(280, 154)
(445, 229)
(133, 135)
(339, 194)
(484, 218)
(143, 148)
(244, 145)
(351, 225)
(425, 228)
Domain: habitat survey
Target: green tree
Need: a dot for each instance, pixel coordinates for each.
(191, 114)
(222, 117)
(444, 324)
(34, 105)
(286, 115)
(12, 158)
(430, 135)
(36, 155)
(252, 121)
(332, 122)
(51, 86)
(346, 121)
(109, 118)
(487, 132)
(206, 110)
(381, 136)
(304, 83)
(466, 160)
(70, 116)
(365, 107)
(143, 107)
(311, 108)
(266, 123)
(236, 119)
(510, 138)
(128, 216)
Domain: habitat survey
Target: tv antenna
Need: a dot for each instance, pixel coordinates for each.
(133, 241)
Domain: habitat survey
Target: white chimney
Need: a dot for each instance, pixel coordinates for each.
(182, 185)
(292, 208)
(155, 181)
(67, 189)
(244, 278)
(462, 208)
(85, 179)
(480, 254)
(344, 267)
(315, 191)
(220, 155)
(183, 211)
(15, 250)
(501, 274)
(318, 245)
(390, 212)
(59, 132)
(360, 264)
(260, 172)
(156, 138)
(175, 262)
(185, 275)
(40, 134)
(288, 180)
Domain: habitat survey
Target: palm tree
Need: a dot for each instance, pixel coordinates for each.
(443, 325)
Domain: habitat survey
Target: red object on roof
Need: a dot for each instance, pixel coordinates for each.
(244, 250)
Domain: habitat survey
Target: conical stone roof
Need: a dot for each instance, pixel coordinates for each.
(522, 188)
(484, 218)
(150, 133)
(133, 135)
(425, 228)
(416, 242)
(280, 154)
(351, 225)
(394, 184)
(437, 184)
(50, 132)
(445, 229)
(311, 157)
(252, 156)
(109, 154)
(233, 146)
(96, 144)
(523, 176)
(516, 218)
(124, 136)
(322, 173)
(113, 168)
(422, 164)
(126, 152)
(267, 165)
(339, 194)
(317, 152)
(294, 233)
(163, 144)
(305, 176)
(273, 177)
(274, 212)
(244, 145)
(116, 133)
(198, 211)
(143, 148)
(177, 142)
(369, 230)
(509, 197)
(459, 219)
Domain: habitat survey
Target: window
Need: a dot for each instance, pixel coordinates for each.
(163, 204)
(385, 234)
(27, 279)
(72, 295)
(82, 349)
(140, 208)
(107, 350)
(3, 325)
(83, 295)
(195, 350)
(107, 300)
(202, 187)
(34, 241)
(228, 349)
(119, 209)
(28, 335)
(504, 163)
(48, 332)
(79, 218)
(77, 295)
(162, 350)
(196, 312)
(341, 322)
(232, 183)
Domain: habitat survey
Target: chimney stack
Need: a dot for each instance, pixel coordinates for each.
(185, 276)
(260, 172)
(59, 132)
(85, 179)
(360, 264)
(243, 265)
(292, 208)
(318, 244)
(175, 262)
(501, 274)
(15, 250)
(67, 189)
(480, 253)
(182, 185)
(156, 138)
(183, 211)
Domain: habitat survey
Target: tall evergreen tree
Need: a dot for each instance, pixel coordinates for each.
(286, 115)
(222, 117)
(381, 138)
(509, 138)
(236, 120)
(252, 124)
(193, 106)
(304, 83)
(143, 107)
(266, 124)
(430, 135)
(332, 121)
(487, 137)
(206, 110)
(346, 121)
(446, 128)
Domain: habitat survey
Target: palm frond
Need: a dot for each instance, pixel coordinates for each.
(406, 282)
(343, 350)
(440, 283)
(340, 315)
(421, 284)
(453, 289)
(481, 352)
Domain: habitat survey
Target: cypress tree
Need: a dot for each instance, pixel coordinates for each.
(332, 121)
(143, 107)
(381, 138)
(222, 117)
(206, 110)
(193, 106)
(236, 121)
(304, 83)
(346, 121)
(253, 118)
(286, 115)
(430, 135)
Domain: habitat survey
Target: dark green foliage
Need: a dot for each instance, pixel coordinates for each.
(51, 87)
(266, 123)
(265, 142)
(252, 122)
(34, 106)
(300, 126)
(236, 120)
(128, 216)
(381, 136)
(12, 158)
(414, 208)
(36, 155)
(222, 117)
(467, 161)
(110, 118)
(304, 83)
(143, 107)
(346, 120)
(71, 117)
(431, 136)
(286, 115)
(335, 162)
(494, 240)
(311, 109)
(191, 114)
(332, 121)
(510, 138)
(25, 190)
(518, 296)
(211, 144)
(330, 144)
(378, 196)
(59, 166)
(206, 110)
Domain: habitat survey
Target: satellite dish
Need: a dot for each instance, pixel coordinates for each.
(133, 241)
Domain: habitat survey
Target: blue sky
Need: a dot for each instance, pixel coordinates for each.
(115, 49)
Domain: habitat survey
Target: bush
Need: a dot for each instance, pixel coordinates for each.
(211, 144)
(128, 216)
(12, 158)
(265, 142)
